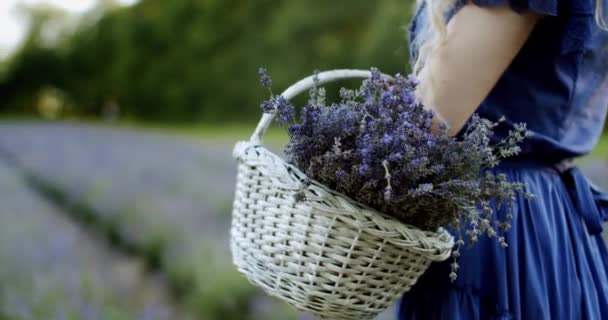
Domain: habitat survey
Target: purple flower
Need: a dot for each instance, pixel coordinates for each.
(377, 146)
(386, 139)
(295, 130)
(286, 110)
(265, 80)
(395, 157)
(413, 82)
(364, 170)
(425, 188)
(390, 99)
(268, 106)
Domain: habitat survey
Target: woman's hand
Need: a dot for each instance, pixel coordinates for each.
(480, 45)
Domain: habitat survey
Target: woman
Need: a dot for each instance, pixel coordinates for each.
(543, 62)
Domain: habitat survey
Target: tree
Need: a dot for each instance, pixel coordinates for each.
(196, 60)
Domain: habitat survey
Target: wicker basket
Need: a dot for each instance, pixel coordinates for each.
(327, 255)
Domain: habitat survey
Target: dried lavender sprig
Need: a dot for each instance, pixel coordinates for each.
(376, 146)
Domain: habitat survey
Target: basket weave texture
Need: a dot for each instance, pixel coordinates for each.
(327, 255)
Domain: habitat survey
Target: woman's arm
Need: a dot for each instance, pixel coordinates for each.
(480, 45)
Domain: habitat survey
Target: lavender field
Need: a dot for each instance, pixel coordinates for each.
(108, 223)
(164, 200)
(51, 269)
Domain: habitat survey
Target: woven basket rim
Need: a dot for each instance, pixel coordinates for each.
(441, 239)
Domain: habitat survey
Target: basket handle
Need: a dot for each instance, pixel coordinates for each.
(305, 85)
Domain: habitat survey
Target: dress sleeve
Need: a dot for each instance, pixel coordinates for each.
(544, 7)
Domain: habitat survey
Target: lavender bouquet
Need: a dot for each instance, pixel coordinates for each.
(377, 146)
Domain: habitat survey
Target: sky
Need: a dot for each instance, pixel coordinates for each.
(13, 29)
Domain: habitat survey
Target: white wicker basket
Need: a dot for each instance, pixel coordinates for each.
(327, 255)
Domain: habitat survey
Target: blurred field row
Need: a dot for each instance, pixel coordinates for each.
(163, 199)
(51, 269)
(276, 135)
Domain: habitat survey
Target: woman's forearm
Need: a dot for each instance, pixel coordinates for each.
(480, 45)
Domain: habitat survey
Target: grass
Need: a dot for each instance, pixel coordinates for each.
(203, 131)
(236, 131)
(275, 136)
(601, 150)
(228, 131)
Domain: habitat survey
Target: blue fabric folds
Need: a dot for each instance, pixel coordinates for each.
(577, 15)
(588, 200)
(555, 267)
(546, 7)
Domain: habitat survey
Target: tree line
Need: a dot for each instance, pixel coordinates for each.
(197, 60)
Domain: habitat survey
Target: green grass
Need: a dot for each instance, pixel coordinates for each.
(231, 131)
(601, 150)
(226, 132)
(236, 131)
(275, 135)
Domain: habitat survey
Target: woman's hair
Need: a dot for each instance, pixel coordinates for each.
(434, 29)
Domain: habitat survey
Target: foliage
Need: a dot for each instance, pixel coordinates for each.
(193, 60)
(380, 147)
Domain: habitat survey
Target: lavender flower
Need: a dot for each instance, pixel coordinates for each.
(377, 146)
(285, 110)
(265, 80)
(276, 104)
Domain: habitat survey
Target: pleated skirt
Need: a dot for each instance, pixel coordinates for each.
(555, 265)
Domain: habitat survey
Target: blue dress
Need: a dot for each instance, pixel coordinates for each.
(556, 264)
